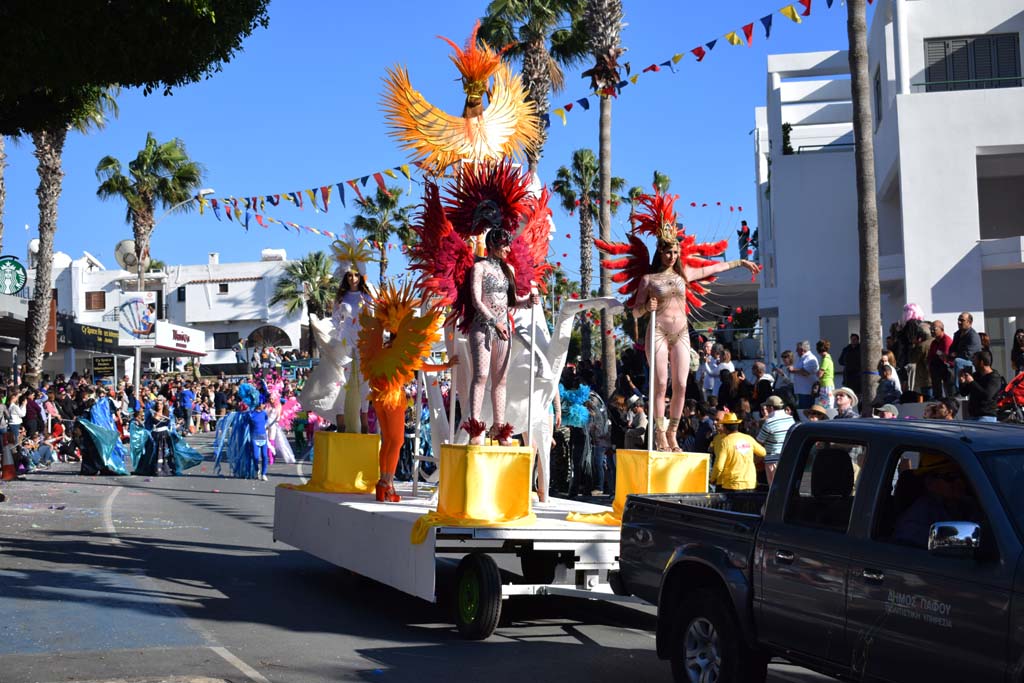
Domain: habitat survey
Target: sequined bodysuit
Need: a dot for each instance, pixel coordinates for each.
(489, 354)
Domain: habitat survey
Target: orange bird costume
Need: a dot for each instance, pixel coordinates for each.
(389, 365)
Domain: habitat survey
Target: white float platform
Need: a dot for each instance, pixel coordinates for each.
(373, 539)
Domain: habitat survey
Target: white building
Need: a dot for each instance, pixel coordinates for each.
(227, 301)
(949, 168)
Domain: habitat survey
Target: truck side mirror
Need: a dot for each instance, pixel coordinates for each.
(954, 539)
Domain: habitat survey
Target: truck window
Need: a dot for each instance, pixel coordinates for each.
(1006, 470)
(927, 487)
(822, 496)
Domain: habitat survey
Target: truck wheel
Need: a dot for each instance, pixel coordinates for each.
(477, 596)
(707, 644)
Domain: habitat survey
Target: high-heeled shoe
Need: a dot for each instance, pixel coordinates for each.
(392, 495)
(381, 492)
(660, 442)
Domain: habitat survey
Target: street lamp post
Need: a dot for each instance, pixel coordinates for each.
(137, 373)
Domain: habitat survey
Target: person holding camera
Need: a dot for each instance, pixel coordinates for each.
(980, 388)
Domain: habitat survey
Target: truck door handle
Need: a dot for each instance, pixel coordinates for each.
(784, 556)
(873, 576)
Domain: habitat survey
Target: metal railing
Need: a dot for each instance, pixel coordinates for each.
(972, 83)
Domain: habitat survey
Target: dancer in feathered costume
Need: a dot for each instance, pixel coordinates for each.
(354, 295)
(671, 283)
(277, 434)
(492, 201)
(438, 140)
(393, 342)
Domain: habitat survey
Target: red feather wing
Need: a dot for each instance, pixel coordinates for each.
(631, 268)
(528, 256)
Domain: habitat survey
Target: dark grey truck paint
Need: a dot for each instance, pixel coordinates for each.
(847, 604)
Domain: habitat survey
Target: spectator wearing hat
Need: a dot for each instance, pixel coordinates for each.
(772, 434)
(887, 411)
(816, 413)
(846, 404)
(636, 435)
(734, 457)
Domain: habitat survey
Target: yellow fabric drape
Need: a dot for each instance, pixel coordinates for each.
(486, 486)
(343, 463)
(650, 472)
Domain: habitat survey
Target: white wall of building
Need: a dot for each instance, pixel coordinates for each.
(949, 170)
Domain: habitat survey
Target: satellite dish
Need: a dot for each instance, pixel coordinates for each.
(124, 254)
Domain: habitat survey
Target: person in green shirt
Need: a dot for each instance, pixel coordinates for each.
(826, 375)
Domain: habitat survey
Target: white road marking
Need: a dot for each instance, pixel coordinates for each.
(246, 670)
(298, 471)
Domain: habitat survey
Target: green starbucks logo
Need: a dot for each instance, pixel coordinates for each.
(12, 275)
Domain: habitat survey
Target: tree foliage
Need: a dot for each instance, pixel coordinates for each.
(161, 173)
(56, 57)
(382, 215)
(307, 281)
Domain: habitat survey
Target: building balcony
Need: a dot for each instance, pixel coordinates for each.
(1002, 254)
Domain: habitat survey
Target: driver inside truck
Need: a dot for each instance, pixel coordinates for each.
(942, 496)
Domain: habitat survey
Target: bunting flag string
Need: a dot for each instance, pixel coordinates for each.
(319, 197)
(794, 12)
(245, 218)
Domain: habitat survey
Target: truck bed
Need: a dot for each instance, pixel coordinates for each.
(654, 526)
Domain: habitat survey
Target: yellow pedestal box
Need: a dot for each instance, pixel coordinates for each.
(639, 472)
(343, 463)
(481, 486)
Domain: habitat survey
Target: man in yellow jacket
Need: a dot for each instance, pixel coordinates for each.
(734, 457)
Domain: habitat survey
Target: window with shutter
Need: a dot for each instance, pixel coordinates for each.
(958, 63)
(972, 62)
(1007, 60)
(983, 62)
(878, 96)
(935, 69)
(95, 301)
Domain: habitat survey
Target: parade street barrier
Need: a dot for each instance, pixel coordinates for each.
(481, 486)
(343, 463)
(642, 472)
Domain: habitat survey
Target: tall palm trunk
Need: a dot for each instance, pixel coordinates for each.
(608, 359)
(142, 229)
(3, 191)
(49, 146)
(383, 263)
(537, 80)
(586, 269)
(867, 209)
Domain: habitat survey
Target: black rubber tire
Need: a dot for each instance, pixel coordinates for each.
(477, 600)
(739, 663)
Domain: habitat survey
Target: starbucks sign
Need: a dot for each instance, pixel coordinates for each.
(12, 275)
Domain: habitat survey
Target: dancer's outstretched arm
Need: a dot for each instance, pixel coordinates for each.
(693, 274)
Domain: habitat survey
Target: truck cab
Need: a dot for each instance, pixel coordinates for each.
(884, 551)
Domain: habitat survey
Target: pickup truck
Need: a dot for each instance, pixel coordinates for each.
(885, 550)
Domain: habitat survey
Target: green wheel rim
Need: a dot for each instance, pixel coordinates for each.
(469, 597)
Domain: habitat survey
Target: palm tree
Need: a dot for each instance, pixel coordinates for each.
(578, 187)
(308, 282)
(867, 209)
(537, 34)
(3, 191)
(380, 217)
(603, 22)
(49, 148)
(161, 173)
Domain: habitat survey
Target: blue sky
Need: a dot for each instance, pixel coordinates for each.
(299, 108)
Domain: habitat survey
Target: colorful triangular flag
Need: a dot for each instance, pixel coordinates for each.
(748, 32)
(807, 7)
(560, 113)
(790, 13)
(699, 53)
(766, 21)
(584, 102)
(711, 45)
(733, 38)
